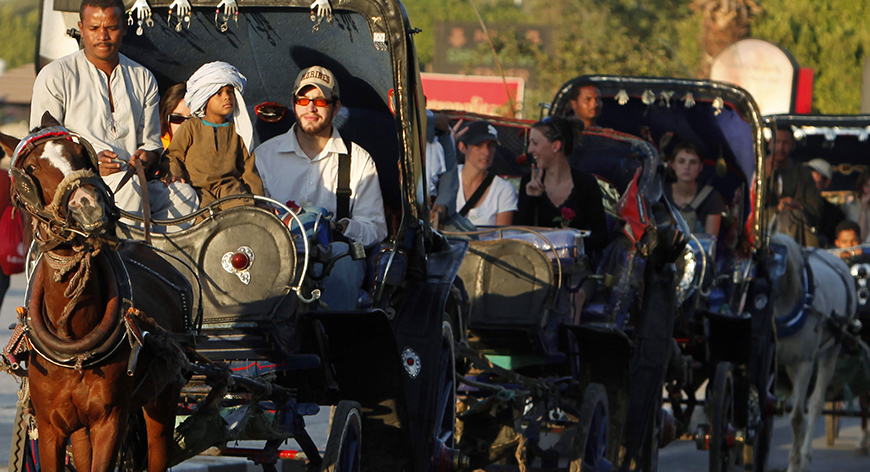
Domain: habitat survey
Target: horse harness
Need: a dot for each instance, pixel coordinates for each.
(792, 322)
(56, 222)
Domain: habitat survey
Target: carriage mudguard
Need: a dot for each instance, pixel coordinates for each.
(365, 358)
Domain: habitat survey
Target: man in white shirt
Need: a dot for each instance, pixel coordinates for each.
(112, 102)
(302, 166)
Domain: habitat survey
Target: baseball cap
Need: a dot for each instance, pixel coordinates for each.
(821, 166)
(478, 132)
(320, 77)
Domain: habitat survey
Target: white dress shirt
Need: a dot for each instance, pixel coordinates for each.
(289, 174)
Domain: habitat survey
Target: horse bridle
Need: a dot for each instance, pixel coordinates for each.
(55, 219)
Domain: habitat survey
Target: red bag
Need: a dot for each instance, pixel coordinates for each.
(12, 252)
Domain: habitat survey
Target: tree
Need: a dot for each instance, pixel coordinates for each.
(20, 20)
(831, 36)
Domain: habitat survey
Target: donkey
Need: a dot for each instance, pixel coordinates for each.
(814, 300)
(95, 333)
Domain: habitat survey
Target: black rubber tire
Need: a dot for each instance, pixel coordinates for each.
(593, 428)
(721, 415)
(345, 435)
(445, 422)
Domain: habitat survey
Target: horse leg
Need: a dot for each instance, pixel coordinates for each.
(52, 448)
(827, 362)
(160, 423)
(800, 379)
(81, 449)
(106, 435)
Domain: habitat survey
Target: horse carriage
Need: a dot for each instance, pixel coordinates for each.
(251, 353)
(842, 142)
(722, 330)
(540, 392)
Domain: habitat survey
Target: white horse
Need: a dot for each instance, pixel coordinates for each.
(815, 287)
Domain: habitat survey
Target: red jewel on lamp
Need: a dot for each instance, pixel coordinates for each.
(239, 261)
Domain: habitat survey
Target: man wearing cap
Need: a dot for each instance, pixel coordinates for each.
(795, 195)
(484, 198)
(832, 214)
(112, 102)
(306, 164)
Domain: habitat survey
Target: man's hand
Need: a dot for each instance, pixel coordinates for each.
(535, 187)
(148, 158)
(109, 163)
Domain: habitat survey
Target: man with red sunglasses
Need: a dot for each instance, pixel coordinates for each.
(313, 166)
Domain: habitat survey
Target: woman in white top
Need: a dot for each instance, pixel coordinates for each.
(497, 201)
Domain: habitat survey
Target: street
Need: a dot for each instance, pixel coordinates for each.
(679, 456)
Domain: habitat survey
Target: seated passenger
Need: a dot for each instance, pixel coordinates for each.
(832, 215)
(173, 112)
(306, 165)
(701, 206)
(858, 210)
(555, 194)
(443, 174)
(483, 197)
(206, 151)
(847, 237)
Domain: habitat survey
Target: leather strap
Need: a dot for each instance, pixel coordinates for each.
(475, 197)
(343, 191)
(146, 202)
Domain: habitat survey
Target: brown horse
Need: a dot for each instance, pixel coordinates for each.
(99, 313)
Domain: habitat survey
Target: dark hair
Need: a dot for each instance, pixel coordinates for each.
(847, 225)
(863, 177)
(102, 5)
(687, 146)
(168, 102)
(557, 128)
(575, 88)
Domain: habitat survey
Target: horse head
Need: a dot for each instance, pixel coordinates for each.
(55, 178)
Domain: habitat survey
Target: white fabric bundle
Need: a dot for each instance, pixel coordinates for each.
(207, 81)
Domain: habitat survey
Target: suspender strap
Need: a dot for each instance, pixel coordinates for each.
(343, 192)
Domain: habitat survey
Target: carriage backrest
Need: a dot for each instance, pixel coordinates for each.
(510, 284)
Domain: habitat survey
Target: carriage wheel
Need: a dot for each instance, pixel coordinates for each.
(725, 452)
(444, 456)
(832, 422)
(590, 446)
(345, 433)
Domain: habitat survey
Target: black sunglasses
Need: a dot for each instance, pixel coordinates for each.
(318, 102)
(176, 119)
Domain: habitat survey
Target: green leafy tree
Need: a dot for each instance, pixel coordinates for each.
(20, 24)
(831, 36)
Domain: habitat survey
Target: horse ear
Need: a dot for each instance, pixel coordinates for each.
(8, 143)
(48, 120)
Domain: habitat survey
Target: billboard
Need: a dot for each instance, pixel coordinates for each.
(477, 94)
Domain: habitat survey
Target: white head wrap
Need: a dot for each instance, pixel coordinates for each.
(207, 81)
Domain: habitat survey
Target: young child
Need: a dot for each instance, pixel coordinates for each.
(206, 150)
(847, 237)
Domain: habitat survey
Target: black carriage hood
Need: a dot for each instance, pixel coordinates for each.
(723, 119)
(368, 46)
(842, 140)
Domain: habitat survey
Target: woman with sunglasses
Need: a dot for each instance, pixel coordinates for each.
(173, 112)
(557, 195)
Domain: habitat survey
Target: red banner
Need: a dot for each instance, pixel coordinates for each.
(477, 94)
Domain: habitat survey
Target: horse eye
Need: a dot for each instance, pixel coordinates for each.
(31, 168)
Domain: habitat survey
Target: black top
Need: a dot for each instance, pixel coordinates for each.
(585, 200)
(713, 204)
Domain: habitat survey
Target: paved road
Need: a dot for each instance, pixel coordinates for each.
(679, 456)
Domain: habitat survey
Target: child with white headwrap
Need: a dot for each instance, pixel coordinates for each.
(207, 150)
